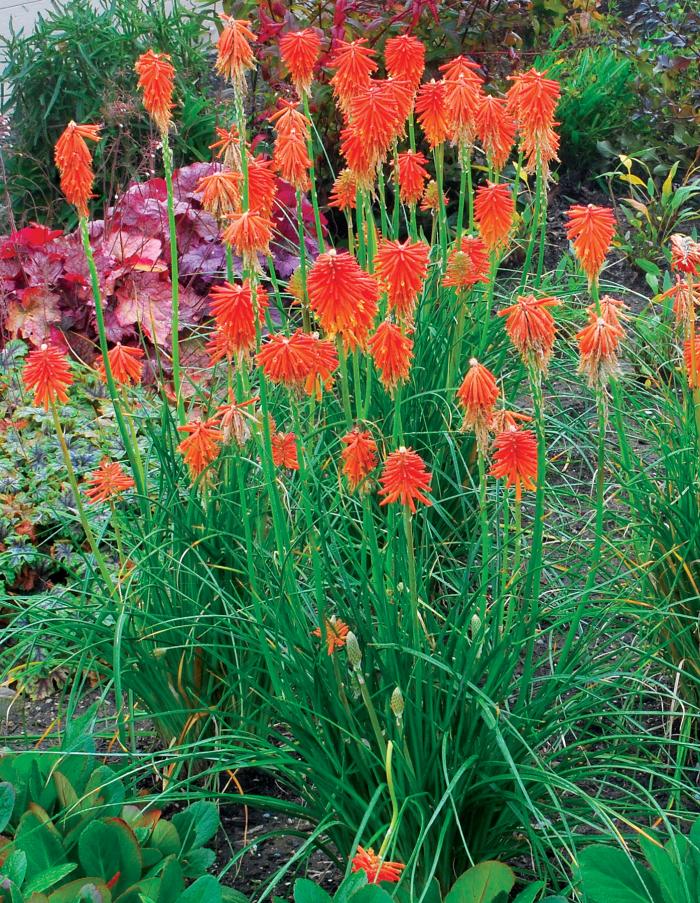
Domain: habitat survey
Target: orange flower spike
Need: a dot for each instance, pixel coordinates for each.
(249, 233)
(108, 480)
(431, 198)
(353, 64)
(432, 112)
(125, 363)
(531, 328)
(344, 193)
(691, 357)
(359, 456)
(325, 364)
(233, 309)
(401, 268)
(402, 97)
(463, 93)
(598, 343)
(336, 633)
(262, 185)
(47, 374)
(228, 147)
(404, 56)
(288, 360)
(412, 176)
(496, 130)
(221, 193)
(685, 254)
(478, 395)
(685, 299)
(376, 870)
(405, 479)
(392, 352)
(74, 163)
(201, 446)
(361, 161)
(494, 211)
(532, 99)
(234, 53)
(375, 115)
(156, 78)
(515, 459)
(284, 450)
(591, 229)
(300, 51)
(343, 296)
(467, 264)
(291, 157)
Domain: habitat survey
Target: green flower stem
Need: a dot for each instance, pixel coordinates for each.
(130, 447)
(490, 289)
(534, 227)
(439, 158)
(396, 212)
(174, 281)
(305, 314)
(312, 177)
(382, 202)
(464, 164)
(412, 580)
(344, 388)
(485, 536)
(394, 804)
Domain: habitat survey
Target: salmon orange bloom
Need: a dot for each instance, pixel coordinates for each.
(156, 77)
(532, 99)
(392, 352)
(401, 268)
(478, 395)
(125, 364)
(74, 163)
(249, 233)
(237, 420)
(405, 59)
(288, 360)
(691, 356)
(496, 129)
(291, 157)
(336, 633)
(284, 450)
(515, 459)
(228, 147)
(591, 230)
(685, 299)
(109, 479)
(405, 479)
(234, 53)
(47, 374)
(432, 112)
(344, 193)
(494, 211)
(402, 97)
(359, 456)
(201, 446)
(262, 185)
(412, 176)
(463, 95)
(685, 254)
(375, 868)
(353, 63)
(234, 310)
(467, 264)
(221, 193)
(360, 159)
(375, 115)
(299, 51)
(531, 328)
(598, 342)
(343, 296)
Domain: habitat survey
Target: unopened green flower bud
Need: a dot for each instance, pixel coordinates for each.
(397, 702)
(353, 649)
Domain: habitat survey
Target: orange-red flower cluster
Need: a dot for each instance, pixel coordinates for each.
(108, 480)
(125, 363)
(532, 100)
(156, 78)
(463, 93)
(221, 193)
(228, 147)
(494, 211)
(401, 268)
(291, 157)
(298, 360)
(515, 459)
(344, 193)
(405, 479)
(467, 264)
(685, 254)
(284, 450)
(299, 51)
(496, 130)
(591, 230)
(233, 308)
(412, 176)
(234, 53)
(359, 456)
(405, 59)
(599, 340)
(336, 633)
(343, 297)
(201, 446)
(47, 374)
(478, 395)
(531, 328)
(375, 868)
(432, 112)
(249, 233)
(392, 352)
(353, 63)
(74, 163)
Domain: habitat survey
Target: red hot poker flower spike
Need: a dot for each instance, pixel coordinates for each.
(299, 51)
(74, 162)
(376, 870)
(48, 375)
(156, 77)
(359, 456)
(591, 229)
(515, 459)
(108, 480)
(405, 479)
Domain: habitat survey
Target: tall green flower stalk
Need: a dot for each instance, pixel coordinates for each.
(174, 281)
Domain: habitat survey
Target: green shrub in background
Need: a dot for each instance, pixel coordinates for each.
(78, 64)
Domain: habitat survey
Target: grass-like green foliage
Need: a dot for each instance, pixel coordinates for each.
(78, 64)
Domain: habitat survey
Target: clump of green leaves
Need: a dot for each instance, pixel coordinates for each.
(78, 64)
(70, 833)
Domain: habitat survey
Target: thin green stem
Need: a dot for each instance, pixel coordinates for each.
(174, 281)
